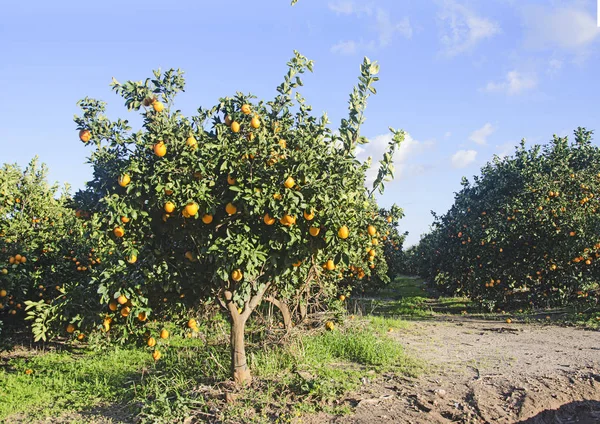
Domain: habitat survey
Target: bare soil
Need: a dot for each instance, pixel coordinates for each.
(486, 372)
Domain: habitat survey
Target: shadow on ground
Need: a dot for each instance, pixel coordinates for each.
(582, 412)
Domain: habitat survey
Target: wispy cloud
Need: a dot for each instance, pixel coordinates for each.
(462, 29)
(515, 83)
(480, 135)
(408, 149)
(380, 23)
(463, 158)
(569, 28)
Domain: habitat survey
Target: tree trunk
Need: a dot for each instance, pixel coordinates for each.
(239, 367)
(284, 309)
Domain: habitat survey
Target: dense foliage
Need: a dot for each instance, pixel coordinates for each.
(525, 232)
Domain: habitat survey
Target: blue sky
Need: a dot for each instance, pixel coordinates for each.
(465, 79)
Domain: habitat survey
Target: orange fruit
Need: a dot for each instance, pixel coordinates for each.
(246, 109)
(80, 336)
(372, 253)
(371, 230)
(18, 258)
(168, 192)
(342, 297)
(122, 300)
(230, 208)
(309, 216)
(287, 220)
(160, 149)
(374, 242)
(330, 265)
(343, 232)
(191, 209)
(191, 142)
(297, 264)
(282, 143)
(11, 260)
(119, 232)
(4, 271)
(169, 207)
(151, 342)
(207, 219)
(125, 311)
(230, 180)
(268, 220)
(112, 305)
(190, 256)
(289, 182)
(85, 135)
(23, 259)
(124, 180)
(235, 126)
(192, 323)
(228, 120)
(236, 275)
(277, 196)
(156, 355)
(508, 320)
(125, 219)
(70, 328)
(389, 219)
(314, 231)
(132, 259)
(329, 326)
(158, 106)
(255, 122)
(142, 316)
(572, 233)
(164, 334)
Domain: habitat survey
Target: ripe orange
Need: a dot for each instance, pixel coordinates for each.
(268, 220)
(70, 328)
(122, 300)
(289, 182)
(80, 336)
(255, 122)
(230, 180)
(372, 252)
(287, 220)
(164, 334)
(297, 264)
(23, 259)
(85, 135)
(309, 216)
(119, 232)
(371, 230)
(329, 326)
(389, 219)
(158, 106)
(330, 265)
(125, 311)
(246, 109)
(314, 231)
(125, 219)
(142, 316)
(282, 143)
(572, 233)
(343, 232)
(191, 209)
(236, 275)
(192, 323)
(156, 355)
(508, 320)
(191, 142)
(235, 126)
(160, 149)
(3, 293)
(374, 242)
(230, 208)
(207, 219)
(18, 258)
(151, 342)
(113, 305)
(169, 207)
(132, 259)
(342, 297)
(190, 256)
(124, 180)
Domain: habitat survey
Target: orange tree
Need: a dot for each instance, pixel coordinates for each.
(242, 199)
(525, 232)
(43, 250)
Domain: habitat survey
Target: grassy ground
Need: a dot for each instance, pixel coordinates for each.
(307, 373)
(409, 298)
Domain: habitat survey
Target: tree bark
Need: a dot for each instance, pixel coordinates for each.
(284, 309)
(239, 366)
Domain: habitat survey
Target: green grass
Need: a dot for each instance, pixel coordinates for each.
(305, 374)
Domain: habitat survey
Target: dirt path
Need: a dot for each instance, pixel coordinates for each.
(487, 372)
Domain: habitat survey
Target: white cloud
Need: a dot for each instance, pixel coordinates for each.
(480, 136)
(408, 149)
(448, 134)
(344, 47)
(463, 158)
(380, 22)
(463, 29)
(567, 27)
(515, 83)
